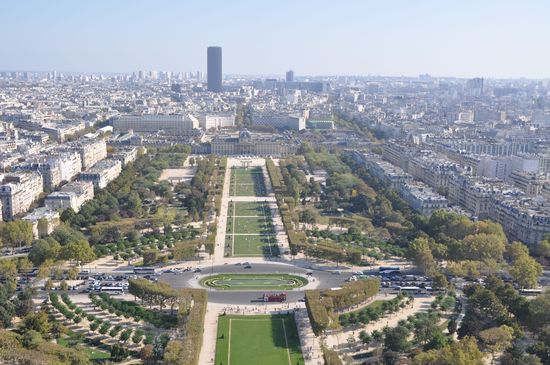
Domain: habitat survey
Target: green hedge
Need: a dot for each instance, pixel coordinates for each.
(187, 350)
(331, 357)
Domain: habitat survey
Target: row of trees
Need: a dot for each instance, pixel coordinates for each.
(158, 294)
(323, 305)
(200, 191)
(192, 310)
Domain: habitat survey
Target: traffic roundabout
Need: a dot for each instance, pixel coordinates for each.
(256, 281)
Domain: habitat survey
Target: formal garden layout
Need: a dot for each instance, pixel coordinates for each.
(247, 182)
(254, 281)
(266, 340)
(250, 230)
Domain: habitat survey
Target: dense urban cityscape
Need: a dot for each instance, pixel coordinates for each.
(210, 217)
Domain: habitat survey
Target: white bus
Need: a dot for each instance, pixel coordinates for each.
(144, 270)
(410, 289)
(528, 292)
(113, 290)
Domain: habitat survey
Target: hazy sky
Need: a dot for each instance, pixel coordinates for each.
(491, 38)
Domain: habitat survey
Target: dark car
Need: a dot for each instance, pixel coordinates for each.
(248, 267)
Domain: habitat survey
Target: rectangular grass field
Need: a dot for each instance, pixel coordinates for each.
(249, 209)
(258, 340)
(254, 245)
(247, 182)
(249, 225)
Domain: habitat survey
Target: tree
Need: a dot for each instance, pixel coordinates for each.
(543, 248)
(38, 322)
(77, 251)
(16, 233)
(425, 328)
(421, 253)
(483, 247)
(184, 251)
(396, 339)
(464, 352)
(515, 355)
(25, 304)
(118, 352)
(135, 204)
(147, 355)
(539, 312)
(150, 257)
(43, 250)
(452, 326)
(497, 339)
(365, 338)
(68, 215)
(8, 271)
(525, 270)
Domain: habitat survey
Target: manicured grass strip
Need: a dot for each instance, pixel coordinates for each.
(265, 340)
(248, 209)
(247, 245)
(254, 281)
(247, 182)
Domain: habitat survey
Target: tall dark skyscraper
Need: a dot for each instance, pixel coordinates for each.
(214, 55)
(290, 76)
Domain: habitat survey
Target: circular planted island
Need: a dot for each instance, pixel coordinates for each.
(253, 281)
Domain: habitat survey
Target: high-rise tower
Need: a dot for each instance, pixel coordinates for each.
(214, 76)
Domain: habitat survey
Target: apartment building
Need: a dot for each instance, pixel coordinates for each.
(72, 195)
(18, 192)
(530, 183)
(126, 155)
(91, 151)
(43, 220)
(102, 173)
(422, 198)
(523, 218)
(54, 169)
(398, 153)
(432, 171)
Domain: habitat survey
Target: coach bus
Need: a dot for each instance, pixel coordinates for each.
(528, 292)
(279, 297)
(144, 270)
(410, 290)
(113, 290)
(387, 270)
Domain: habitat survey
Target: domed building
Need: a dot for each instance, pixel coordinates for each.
(246, 143)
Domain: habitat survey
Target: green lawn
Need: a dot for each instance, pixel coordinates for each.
(258, 340)
(250, 225)
(254, 281)
(247, 209)
(253, 245)
(247, 182)
(72, 339)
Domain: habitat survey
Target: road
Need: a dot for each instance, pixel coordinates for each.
(321, 279)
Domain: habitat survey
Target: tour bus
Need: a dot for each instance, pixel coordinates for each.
(279, 297)
(410, 290)
(528, 292)
(113, 290)
(144, 270)
(386, 270)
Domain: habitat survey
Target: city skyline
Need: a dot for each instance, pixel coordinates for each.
(494, 39)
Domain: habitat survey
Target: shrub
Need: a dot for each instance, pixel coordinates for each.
(104, 328)
(125, 335)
